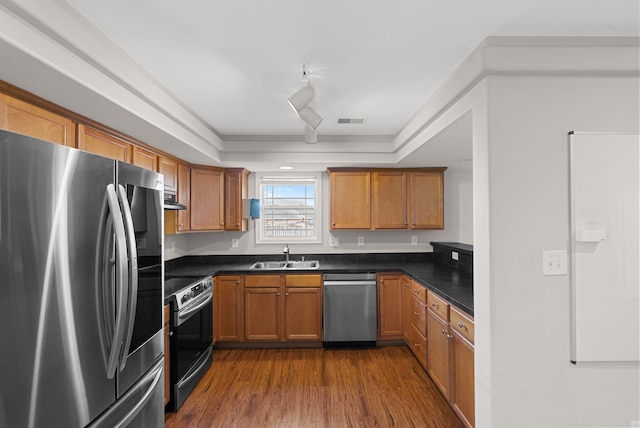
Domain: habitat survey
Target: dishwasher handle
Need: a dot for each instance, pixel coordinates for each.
(347, 283)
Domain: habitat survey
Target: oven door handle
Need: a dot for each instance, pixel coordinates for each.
(197, 370)
(183, 315)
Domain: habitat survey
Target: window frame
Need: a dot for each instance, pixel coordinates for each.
(318, 207)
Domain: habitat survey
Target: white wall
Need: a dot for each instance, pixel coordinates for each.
(458, 228)
(531, 381)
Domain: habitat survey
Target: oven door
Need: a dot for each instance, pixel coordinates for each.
(191, 348)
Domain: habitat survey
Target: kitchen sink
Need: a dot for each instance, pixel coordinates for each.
(291, 265)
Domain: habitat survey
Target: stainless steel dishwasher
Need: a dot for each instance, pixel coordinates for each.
(350, 309)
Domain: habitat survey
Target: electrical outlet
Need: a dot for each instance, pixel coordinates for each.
(554, 262)
(414, 240)
(360, 240)
(234, 243)
(334, 242)
(454, 255)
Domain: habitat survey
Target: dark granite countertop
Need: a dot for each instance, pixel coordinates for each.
(452, 285)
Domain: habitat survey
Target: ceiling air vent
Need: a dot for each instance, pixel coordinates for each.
(352, 120)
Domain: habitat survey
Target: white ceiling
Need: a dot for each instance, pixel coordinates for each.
(234, 63)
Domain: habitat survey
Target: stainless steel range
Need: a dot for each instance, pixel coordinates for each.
(191, 335)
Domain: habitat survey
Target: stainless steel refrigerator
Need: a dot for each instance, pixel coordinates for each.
(81, 286)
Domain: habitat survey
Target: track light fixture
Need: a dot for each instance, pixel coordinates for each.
(300, 101)
(310, 135)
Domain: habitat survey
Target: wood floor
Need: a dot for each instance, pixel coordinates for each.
(315, 387)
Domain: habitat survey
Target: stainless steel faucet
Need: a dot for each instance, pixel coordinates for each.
(286, 252)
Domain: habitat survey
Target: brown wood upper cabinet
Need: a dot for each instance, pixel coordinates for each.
(27, 119)
(169, 168)
(145, 158)
(350, 199)
(207, 199)
(100, 143)
(236, 181)
(387, 198)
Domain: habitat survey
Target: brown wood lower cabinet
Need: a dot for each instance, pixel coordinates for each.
(390, 287)
(229, 308)
(462, 378)
(283, 308)
(438, 355)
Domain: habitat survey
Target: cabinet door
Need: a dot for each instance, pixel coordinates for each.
(350, 199)
(207, 199)
(438, 351)
(26, 119)
(184, 197)
(426, 200)
(262, 313)
(303, 313)
(236, 189)
(389, 200)
(169, 168)
(418, 345)
(145, 159)
(103, 144)
(462, 379)
(390, 306)
(229, 310)
(406, 309)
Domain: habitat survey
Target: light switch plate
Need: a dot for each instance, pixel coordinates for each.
(360, 240)
(334, 242)
(454, 255)
(414, 240)
(234, 243)
(554, 262)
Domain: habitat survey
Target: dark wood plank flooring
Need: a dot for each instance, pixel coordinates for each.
(315, 387)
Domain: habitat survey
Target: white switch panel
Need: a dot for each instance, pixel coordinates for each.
(360, 240)
(454, 255)
(334, 242)
(414, 240)
(554, 262)
(234, 243)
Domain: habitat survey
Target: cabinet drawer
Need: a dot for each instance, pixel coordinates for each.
(419, 291)
(418, 345)
(262, 281)
(303, 280)
(419, 315)
(437, 305)
(462, 323)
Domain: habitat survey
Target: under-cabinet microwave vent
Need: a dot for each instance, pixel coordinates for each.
(352, 120)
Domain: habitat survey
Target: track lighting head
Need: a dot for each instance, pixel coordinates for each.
(310, 117)
(301, 98)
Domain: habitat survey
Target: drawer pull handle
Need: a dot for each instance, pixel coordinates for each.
(461, 325)
(415, 314)
(449, 336)
(434, 304)
(417, 345)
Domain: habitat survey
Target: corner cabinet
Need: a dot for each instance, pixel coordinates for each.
(387, 198)
(207, 199)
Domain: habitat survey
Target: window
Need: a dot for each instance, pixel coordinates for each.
(290, 209)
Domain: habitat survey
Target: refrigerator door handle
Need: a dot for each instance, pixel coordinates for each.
(132, 275)
(121, 279)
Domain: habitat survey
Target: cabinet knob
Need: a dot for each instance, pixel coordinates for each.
(434, 304)
(415, 314)
(181, 225)
(277, 294)
(449, 336)
(406, 224)
(286, 294)
(170, 333)
(237, 224)
(417, 345)
(237, 282)
(461, 325)
(333, 224)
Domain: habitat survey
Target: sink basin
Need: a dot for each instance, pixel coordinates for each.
(292, 265)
